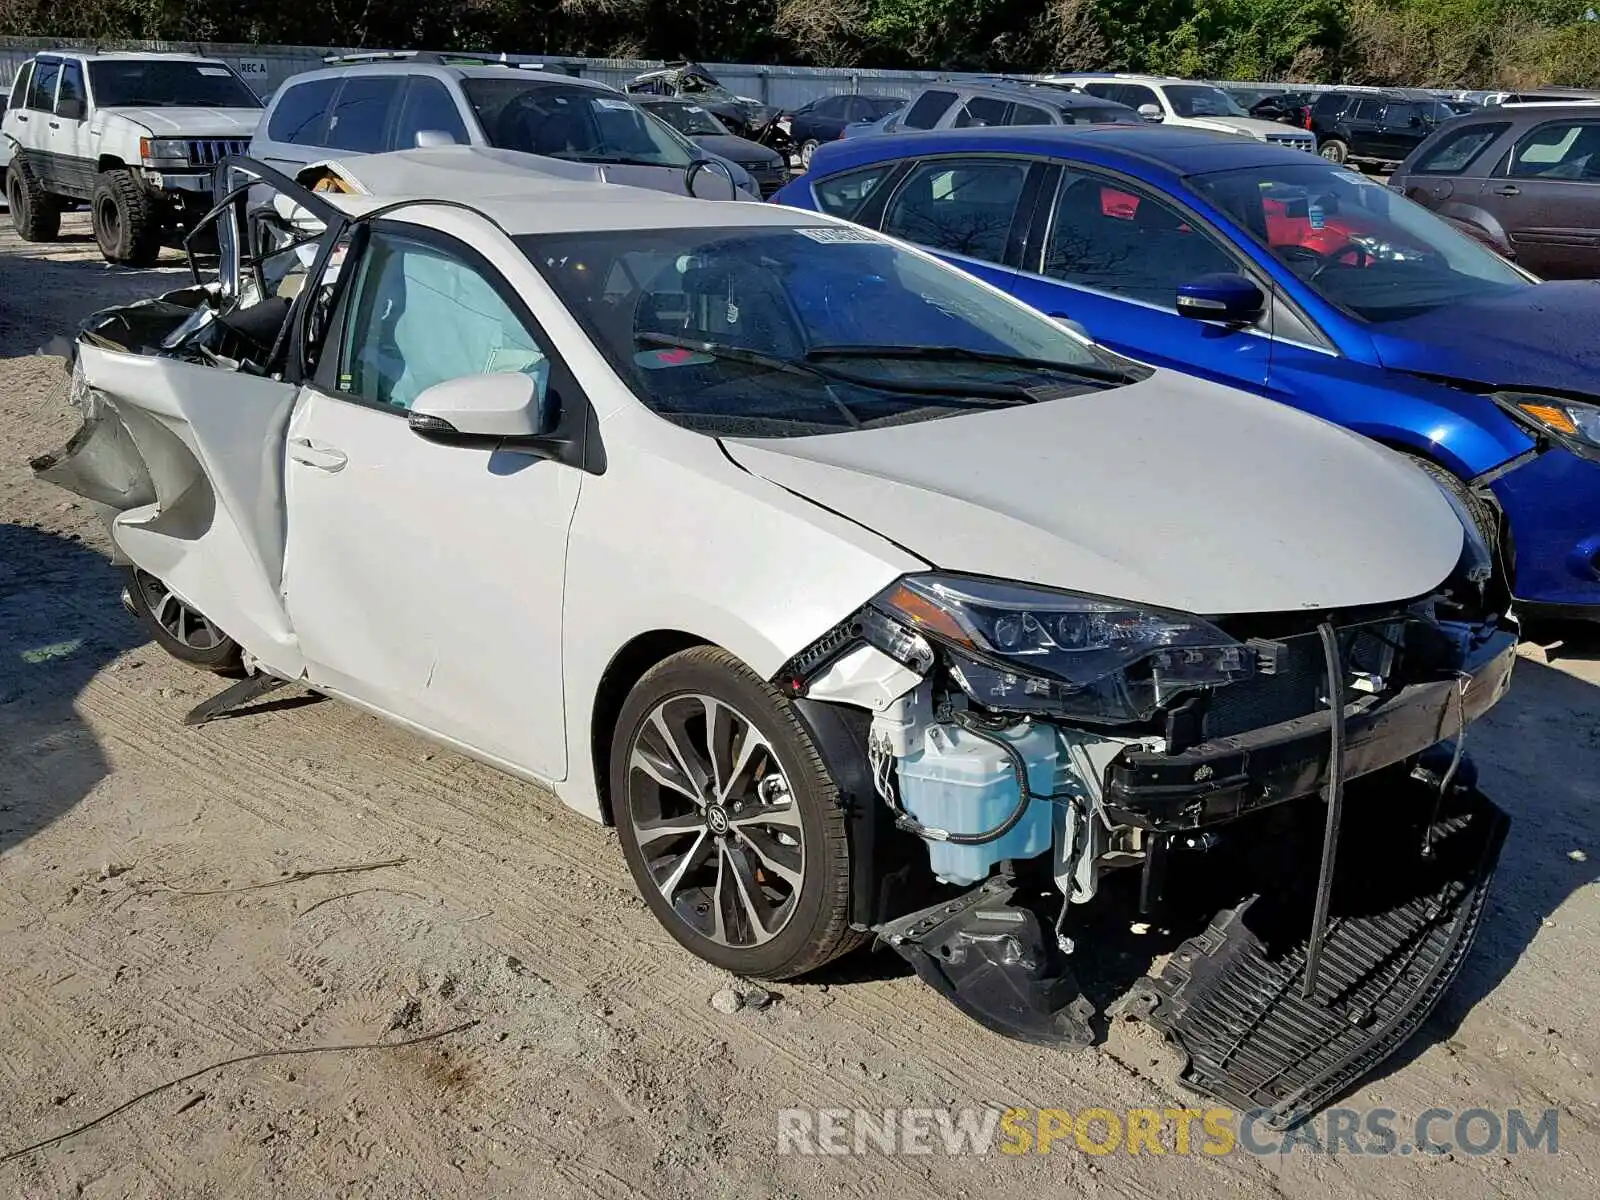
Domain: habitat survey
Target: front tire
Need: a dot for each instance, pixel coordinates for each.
(807, 149)
(127, 220)
(182, 632)
(729, 820)
(35, 213)
(1334, 150)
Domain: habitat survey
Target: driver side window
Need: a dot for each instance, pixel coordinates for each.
(1109, 237)
(420, 316)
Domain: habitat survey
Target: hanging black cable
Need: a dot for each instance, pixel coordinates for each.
(1333, 794)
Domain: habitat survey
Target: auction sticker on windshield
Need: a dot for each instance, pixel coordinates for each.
(822, 233)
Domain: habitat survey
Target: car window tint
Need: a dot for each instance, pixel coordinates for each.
(42, 92)
(1106, 91)
(1328, 104)
(362, 111)
(1456, 151)
(1368, 110)
(1027, 114)
(1134, 95)
(832, 106)
(843, 195)
(301, 115)
(71, 84)
(421, 317)
(960, 206)
(19, 86)
(429, 106)
(1560, 150)
(1117, 240)
(930, 106)
(980, 111)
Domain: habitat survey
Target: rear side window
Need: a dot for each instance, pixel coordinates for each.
(1328, 104)
(1368, 110)
(959, 206)
(981, 111)
(19, 87)
(1027, 114)
(428, 106)
(362, 112)
(843, 195)
(1106, 91)
(42, 91)
(1456, 151)
(1560, 150)
(930, 106)
(301, 115)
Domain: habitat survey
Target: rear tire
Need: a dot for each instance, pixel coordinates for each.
(752, 873)
(35, 213)
(127, 220)
(178, 629)
(1334, 150)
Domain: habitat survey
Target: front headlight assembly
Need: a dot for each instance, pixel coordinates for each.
(1573, 423)
(1019, 647)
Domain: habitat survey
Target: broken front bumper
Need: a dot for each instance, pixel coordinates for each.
(1403, 919)
(1223, 779)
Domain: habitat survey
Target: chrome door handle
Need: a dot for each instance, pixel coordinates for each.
(1508, 189)
(324, 458)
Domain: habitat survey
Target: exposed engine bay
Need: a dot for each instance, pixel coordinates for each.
(1197, 767)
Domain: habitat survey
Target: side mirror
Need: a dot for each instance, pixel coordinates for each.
(509, 410)
(710, 179)
(1151, 112)
(1228, 298)
(429, 139)
(70, 110)
(1077, 327)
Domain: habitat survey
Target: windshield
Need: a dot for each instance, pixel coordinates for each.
(1201, 100)
(774, 331)
(1355, 243)
(158, 83)
(570, 121)
(688, 119)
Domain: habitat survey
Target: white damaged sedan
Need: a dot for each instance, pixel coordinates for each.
(861, 598)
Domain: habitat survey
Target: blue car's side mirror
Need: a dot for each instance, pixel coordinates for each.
(1231, 299)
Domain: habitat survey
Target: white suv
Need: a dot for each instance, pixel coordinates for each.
(1187, 105)
(136, 135)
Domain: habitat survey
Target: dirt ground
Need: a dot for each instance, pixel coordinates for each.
(597, 1066)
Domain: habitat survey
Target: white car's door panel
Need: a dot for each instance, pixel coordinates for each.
(213, 446)
(426, 580)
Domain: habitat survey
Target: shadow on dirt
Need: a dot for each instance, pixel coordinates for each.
(60, 623)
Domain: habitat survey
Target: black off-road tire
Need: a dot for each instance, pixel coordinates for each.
(35, 213)
(1334, 150)
(128, 223)
(224, 658)
(818, 931)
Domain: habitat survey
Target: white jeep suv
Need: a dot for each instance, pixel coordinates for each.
(136, 135)
(1188, 105)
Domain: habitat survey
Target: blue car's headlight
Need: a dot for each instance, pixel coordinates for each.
(1568, 421)
(1016, 646)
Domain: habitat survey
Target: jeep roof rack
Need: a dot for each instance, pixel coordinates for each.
(436, 58)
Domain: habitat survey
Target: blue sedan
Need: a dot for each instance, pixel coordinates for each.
(1274, 271)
